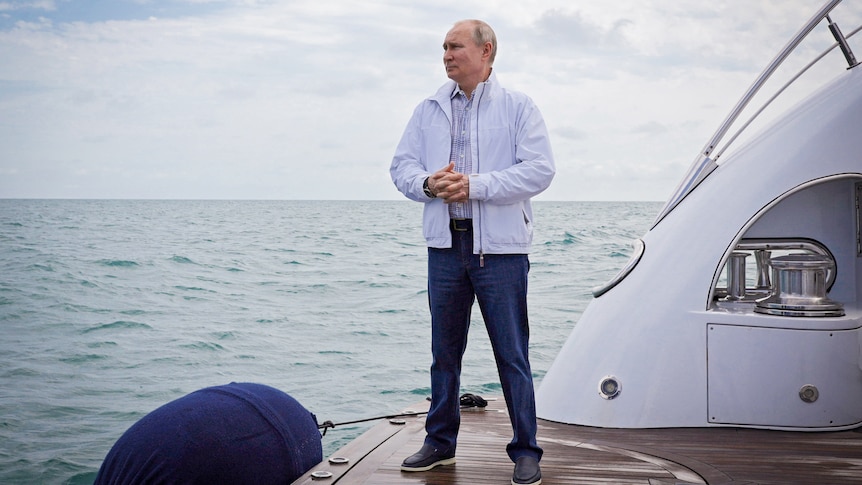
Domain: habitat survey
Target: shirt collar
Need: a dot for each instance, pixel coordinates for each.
(457, 89)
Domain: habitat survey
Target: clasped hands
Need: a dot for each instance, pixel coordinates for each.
(449, 185)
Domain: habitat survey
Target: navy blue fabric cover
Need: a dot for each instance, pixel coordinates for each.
(232, 434)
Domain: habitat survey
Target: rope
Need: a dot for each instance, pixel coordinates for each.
(467, 400)
(472, 401)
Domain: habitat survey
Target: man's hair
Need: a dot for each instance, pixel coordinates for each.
(482, 32)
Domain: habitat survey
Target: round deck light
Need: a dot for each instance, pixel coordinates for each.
(609, 387)
(809, 393)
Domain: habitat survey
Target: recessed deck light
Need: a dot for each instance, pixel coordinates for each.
(609, 387)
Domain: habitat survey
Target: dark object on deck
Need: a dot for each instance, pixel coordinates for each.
(237, 433)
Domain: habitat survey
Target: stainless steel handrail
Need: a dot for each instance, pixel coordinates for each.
(703, 165)
(783, 88)
(766, 74)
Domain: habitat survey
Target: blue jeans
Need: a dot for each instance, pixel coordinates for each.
(455, 279)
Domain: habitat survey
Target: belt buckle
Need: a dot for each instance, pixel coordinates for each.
(455, 225)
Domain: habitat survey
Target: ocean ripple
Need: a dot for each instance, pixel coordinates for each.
(111, 308)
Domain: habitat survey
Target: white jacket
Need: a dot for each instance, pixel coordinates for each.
(512, 161)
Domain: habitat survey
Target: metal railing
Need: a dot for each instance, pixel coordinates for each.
(705, 163)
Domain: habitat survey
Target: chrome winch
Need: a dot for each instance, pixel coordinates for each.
(799, 287)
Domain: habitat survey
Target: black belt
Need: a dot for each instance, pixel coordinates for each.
(461, 225)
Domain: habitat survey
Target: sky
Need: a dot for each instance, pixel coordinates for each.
(307, 99)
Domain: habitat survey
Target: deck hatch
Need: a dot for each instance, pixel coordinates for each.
(764, 377)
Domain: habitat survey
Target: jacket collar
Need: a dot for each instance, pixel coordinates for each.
(443, 96)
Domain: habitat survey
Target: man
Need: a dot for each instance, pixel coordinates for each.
(475, 153)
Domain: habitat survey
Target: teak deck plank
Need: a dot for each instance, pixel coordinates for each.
(585, 455)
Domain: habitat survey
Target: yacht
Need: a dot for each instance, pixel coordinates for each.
(729, 347)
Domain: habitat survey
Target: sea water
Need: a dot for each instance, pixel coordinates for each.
(111, 308)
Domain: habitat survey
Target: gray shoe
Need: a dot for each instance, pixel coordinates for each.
(427, 458)
(527, 472)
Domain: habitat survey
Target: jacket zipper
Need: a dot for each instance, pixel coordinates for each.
(479, 203)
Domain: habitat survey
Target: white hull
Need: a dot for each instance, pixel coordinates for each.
(684, 358)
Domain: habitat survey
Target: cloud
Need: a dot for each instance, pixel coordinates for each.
(46, 5)
(307, 99)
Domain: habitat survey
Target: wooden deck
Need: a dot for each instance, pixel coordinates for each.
(585, 455)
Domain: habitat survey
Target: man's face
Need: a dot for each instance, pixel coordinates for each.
(462, 57)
